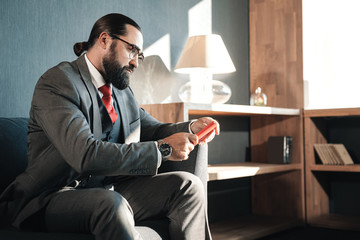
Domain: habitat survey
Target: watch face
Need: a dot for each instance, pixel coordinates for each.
(165, 150)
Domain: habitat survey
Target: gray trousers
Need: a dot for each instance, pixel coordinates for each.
(178, 196)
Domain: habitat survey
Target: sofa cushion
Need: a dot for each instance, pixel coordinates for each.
(13, 149)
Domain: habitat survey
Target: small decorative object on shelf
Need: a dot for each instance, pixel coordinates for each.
(258, 98)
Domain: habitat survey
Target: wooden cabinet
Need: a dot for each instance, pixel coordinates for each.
(319, 177)
(277, 189)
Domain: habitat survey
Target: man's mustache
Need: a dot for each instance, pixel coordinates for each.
(130, 67)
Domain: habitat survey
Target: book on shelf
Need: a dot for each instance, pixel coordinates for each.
(333, 154)
(279, 149)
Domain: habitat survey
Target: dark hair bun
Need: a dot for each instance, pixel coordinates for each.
(80, 47)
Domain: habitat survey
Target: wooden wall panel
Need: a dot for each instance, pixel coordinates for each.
(276, 66)
(276, 51)
(166, 113)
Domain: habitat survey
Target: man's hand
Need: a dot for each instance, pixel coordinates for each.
(182, 144)
(199, 124)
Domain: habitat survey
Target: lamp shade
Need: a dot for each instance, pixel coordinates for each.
(205, 52)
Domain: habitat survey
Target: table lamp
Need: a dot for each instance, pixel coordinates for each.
(203, 56)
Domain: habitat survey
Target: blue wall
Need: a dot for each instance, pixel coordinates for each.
(38, 34)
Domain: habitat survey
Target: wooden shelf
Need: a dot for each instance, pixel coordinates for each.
(247, 169)
(335, 168)
(180, 111)
(336, 221)
(251, 227)
(336, 112)
(237, 110)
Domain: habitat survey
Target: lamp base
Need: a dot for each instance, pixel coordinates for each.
(195, 92)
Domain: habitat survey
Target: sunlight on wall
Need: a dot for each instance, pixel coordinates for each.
(200, 18)
(161, 48)
(331, 45)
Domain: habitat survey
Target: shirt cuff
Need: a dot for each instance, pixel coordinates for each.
(190, 131)
(158, 154)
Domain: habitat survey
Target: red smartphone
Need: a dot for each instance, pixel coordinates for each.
(206, 130)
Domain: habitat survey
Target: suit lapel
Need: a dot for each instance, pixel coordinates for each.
(85, 74)
(123, 112)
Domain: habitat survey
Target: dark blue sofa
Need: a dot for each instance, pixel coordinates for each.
(13, 161)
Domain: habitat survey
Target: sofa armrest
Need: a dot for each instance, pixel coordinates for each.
(196, 164)
(13, 149)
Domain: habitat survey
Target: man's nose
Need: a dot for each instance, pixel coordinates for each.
(134, 61)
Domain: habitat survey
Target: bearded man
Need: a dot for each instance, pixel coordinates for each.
(94, 153)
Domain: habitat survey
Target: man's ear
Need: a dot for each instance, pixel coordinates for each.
(104, 40)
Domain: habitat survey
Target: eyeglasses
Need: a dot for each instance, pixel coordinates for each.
(135, 50)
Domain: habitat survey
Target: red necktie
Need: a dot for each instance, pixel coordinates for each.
(106, 91)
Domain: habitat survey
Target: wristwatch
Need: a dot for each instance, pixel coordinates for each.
(165, 149)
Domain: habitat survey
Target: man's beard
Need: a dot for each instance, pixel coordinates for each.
(115, 74)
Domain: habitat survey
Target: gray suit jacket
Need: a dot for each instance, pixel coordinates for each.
(64, 140)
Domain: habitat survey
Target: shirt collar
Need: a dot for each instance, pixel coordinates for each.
(96, 77)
